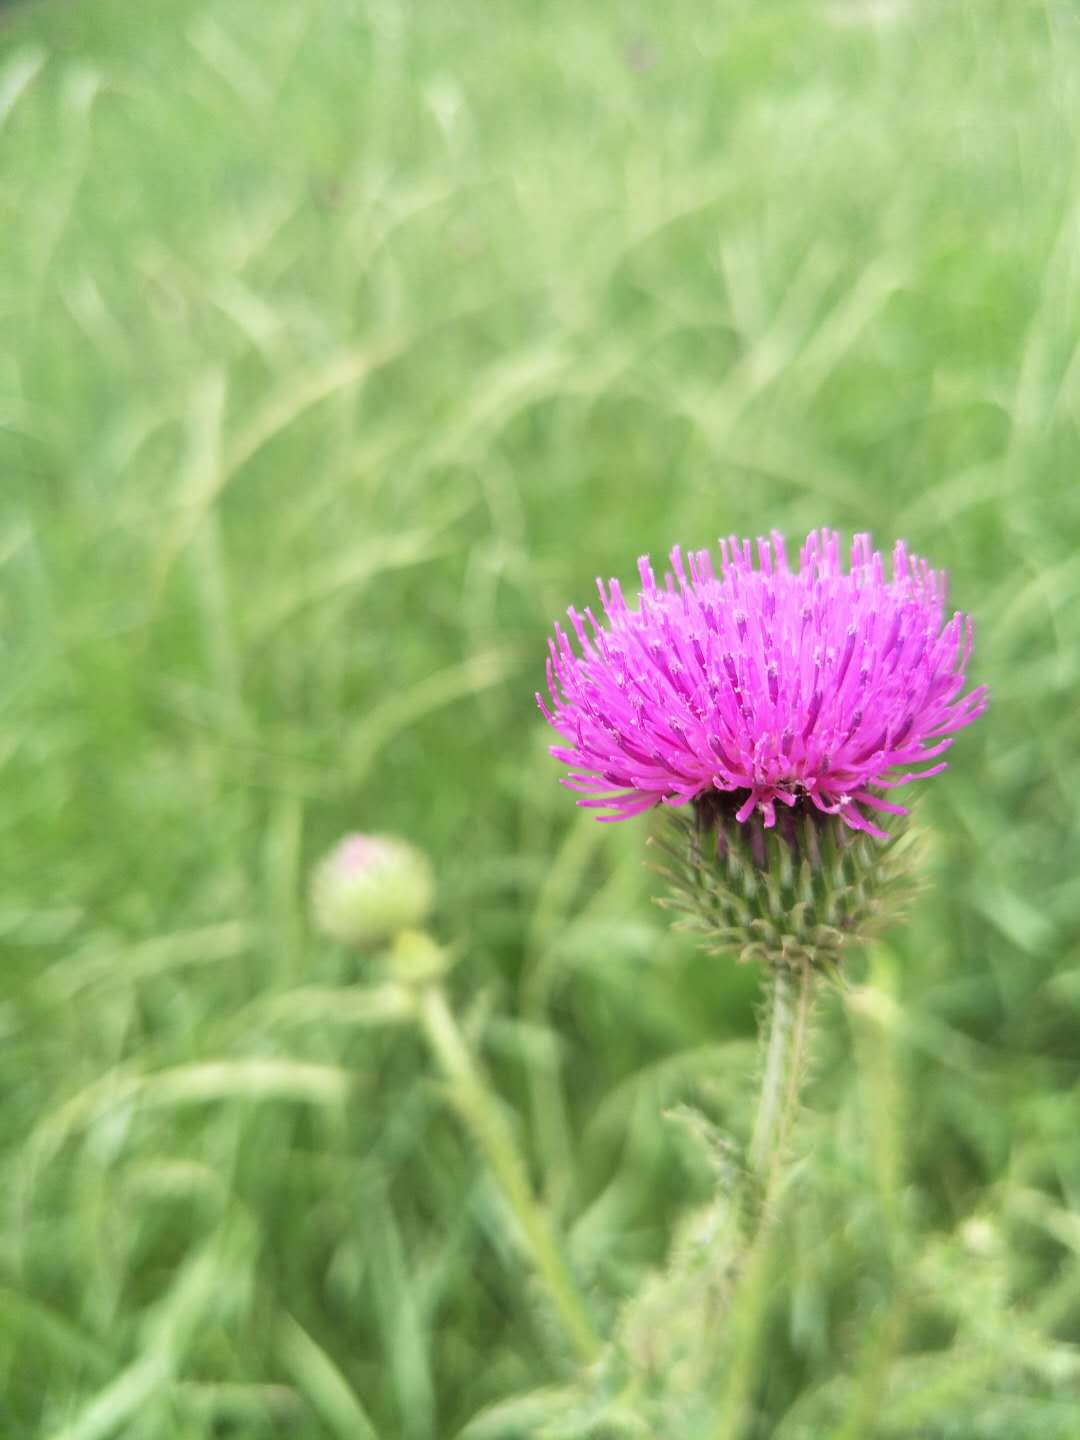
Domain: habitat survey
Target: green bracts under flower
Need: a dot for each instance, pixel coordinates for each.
(798, 894)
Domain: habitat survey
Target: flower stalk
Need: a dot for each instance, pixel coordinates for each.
(485, 1117)
(791, 1003)
(786, 1047)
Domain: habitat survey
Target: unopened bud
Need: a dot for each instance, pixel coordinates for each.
(369, 888)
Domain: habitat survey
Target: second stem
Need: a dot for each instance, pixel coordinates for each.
(492, 1131)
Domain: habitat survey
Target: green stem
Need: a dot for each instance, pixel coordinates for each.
(484, 1114)
(781, 1084)
(786, 1048)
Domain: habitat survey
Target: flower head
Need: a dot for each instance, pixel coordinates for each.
(813, 687)
(370, 888)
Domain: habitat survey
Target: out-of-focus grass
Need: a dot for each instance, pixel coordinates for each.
(344, 344)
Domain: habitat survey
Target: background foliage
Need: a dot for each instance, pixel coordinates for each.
(345, 342)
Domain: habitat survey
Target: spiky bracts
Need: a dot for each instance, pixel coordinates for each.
(800, 893)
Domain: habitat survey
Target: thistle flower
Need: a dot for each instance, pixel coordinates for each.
(779, 707)
(812, 688)
(370, 888)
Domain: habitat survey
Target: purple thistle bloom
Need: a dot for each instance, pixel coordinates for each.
(776, 685)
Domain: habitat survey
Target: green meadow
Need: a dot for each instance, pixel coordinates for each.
(344, 343)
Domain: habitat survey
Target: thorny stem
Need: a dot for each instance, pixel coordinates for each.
(488, 1123)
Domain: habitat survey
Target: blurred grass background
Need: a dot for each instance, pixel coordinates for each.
(344, 343)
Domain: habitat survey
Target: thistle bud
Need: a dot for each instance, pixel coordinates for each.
(369, 888)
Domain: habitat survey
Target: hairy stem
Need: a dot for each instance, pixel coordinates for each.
(786, 1048)
(791, 1005)
(485, 1117)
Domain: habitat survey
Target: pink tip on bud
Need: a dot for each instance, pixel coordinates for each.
(369, 888)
